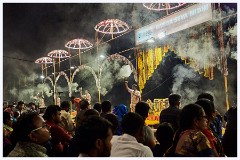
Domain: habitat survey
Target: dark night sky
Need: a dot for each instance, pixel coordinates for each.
(31, 30)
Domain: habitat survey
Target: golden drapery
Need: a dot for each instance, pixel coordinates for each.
(147, 61)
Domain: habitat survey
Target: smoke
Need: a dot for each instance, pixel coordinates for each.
(232, 31)
(181, 74)
(233, 55)
(108, 76)
(74, 87)
(137, 16)
(124, 72)
(13, 91)
(115, 11)
(187, 83)
(104, 91)
(114, 72)
(29, 93)
(45, 88)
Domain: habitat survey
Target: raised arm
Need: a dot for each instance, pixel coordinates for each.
(126, 86)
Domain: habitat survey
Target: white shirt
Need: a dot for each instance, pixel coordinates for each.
(67, 123)
(127, 146)
(135, 96)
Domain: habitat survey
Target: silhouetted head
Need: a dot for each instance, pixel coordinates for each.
(174, 99)
(142, 108)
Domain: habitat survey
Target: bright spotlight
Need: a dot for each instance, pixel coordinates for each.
(151, 40)
(72, 67)
(102, 56)
(161, 35)
(42, 77)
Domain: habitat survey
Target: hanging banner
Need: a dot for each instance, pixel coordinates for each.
(186, 18)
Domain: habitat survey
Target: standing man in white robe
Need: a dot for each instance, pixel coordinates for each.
(135, 95)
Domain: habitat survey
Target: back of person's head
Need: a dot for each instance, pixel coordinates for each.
(142, 108)
(6, 117)
(50, 111)
(188, 114)
(91, 112)
(20, 103)
(165, 133)
(24, 125)
(208, 107)
(113, 119)
(132, 123)
(97, 106)
(206, 95)
(84, 104)
(65, 105)
(31, 104)
(92, 129)
(106, 106)
(174, 99)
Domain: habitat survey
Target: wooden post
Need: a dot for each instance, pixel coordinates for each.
(223, 57)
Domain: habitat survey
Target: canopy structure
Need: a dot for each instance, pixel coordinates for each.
(112, 26)
(162, 6)
(78, 44)
(44, 61)
(59, 54)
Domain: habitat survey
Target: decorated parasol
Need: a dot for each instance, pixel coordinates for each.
(59, 54)
(78, 44)
(44, 61)
(112, 26)
(162, 6)
(109, 26)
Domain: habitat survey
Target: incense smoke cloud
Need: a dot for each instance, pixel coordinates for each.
(13, 91)
(181, 74)
(42, 89)
(232, 31)
(26, 94)
(124, 72)
(233, 55)
(186, 83)
(74, 87)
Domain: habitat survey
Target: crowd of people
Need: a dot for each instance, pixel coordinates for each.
(104, 130)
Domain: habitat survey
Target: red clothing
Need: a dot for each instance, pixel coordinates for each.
(208, 133)
(59, 137)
